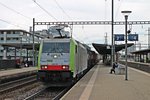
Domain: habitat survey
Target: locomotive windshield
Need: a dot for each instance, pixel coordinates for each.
(62, 47)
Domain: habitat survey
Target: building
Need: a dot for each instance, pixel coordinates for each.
(16, 44)
(17, 37)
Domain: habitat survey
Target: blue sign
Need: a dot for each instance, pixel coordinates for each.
(133, 37)
(119, 37)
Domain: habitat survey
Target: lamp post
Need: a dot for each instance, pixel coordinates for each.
(21, 35)
(112, 35)
(33, 46)
(126, 14)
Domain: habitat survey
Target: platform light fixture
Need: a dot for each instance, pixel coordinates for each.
(126, 14)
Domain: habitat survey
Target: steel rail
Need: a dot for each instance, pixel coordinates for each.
(6, 87)
(31, 97)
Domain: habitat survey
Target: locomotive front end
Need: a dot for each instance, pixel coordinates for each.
(53, 61)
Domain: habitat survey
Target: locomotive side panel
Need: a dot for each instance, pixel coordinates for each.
(73, 56)
(82, 52)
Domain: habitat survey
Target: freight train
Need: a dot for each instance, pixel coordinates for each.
(61, 61)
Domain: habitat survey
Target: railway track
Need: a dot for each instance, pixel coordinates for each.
(13, 90)
(48, 94)
(10, 86)
(29, 88)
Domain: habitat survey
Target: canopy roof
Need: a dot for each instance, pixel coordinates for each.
(144, 51)
(106, 49)
(28, 46)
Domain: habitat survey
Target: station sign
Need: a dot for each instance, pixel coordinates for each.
(119, 37)
(132, 37)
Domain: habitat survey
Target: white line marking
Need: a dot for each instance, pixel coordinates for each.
(87, 91)
(137, 70)
(145, 73)
(63, 98)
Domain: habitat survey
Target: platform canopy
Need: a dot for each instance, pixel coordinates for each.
(28, 46)
(106, 49)
(144, 51)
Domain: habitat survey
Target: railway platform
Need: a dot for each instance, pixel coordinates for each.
(10, 72)
(99, 84)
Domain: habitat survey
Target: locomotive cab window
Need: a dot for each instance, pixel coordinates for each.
(56, 47)
(76, 48)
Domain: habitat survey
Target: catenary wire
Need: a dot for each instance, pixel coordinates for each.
(121, 2)
(15, 11)
(44, 10)
(61, 9)
(10, 23)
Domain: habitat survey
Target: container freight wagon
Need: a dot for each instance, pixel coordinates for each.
(61, 61)
(93, 59)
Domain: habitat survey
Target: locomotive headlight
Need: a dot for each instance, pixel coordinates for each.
(45, 67)
(42, 67)
(55, 56)
(64, 67)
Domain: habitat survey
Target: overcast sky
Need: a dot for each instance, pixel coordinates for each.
(21, 12)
